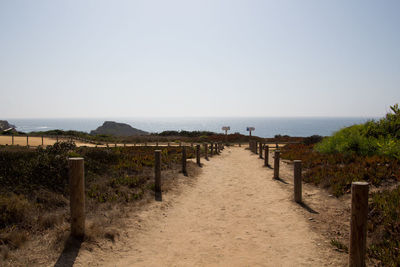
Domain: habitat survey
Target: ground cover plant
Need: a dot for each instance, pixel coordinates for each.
(34, 185)
(367, 152)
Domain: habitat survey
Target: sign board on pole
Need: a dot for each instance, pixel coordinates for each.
(249, 129)
(226, 128)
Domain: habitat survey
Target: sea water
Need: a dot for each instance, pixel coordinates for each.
(264, 127)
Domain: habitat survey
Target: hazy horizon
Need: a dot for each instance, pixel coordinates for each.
(101, 59)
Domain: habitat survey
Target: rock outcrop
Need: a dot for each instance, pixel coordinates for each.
(117, 129)
(4, 125)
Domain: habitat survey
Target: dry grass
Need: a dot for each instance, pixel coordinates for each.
(49, 226)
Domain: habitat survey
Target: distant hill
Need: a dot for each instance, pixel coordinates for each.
(4, 125)
(117, 129)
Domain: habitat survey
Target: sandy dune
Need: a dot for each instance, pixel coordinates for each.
(234, 214)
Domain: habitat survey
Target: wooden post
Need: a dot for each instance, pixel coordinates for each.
(124, 144)
(157, 175)
(77, 196)
(157, 144)
(358, 224)
(255, 147)
(276, 164)
(198, 155)
(168, 143)
(56, 138)
(12, 140)
(297, 181)
(266, 155)
(42, 140)
(184, 170)
(260, 151)
(276, 145)
(27, 141)
(115, 145)
(212, 149)
(206, 151)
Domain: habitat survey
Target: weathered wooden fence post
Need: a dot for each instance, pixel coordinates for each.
(77, 196)
(276, 164)
(198, 155)
(266, 155)
(184, 170)
(56, 138)
(212, 149)
(358, 224)
(157, 175)
(206, 151)
(42, 140)
(260, 151)
(27, 141)
(297, 181)
(256, 147)
(12, 140)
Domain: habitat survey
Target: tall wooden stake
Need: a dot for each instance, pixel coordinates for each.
(297, 181)
(157, 175)
(198, 155)
(358, 224)
(77, 196)
(276, 164)
(184, 170)
(266, 155)
(206, 151)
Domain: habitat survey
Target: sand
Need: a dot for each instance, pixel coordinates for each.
(232, 214)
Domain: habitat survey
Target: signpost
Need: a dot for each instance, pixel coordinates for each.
(250, 129)
(226, 129)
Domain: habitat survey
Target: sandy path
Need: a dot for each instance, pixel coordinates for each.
(233, 215)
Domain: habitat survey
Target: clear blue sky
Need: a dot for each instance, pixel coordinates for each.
(198, 58)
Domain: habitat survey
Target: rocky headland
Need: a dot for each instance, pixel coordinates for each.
(117, 129)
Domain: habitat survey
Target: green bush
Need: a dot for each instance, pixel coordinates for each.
(371, 138)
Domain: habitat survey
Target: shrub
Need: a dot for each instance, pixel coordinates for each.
(384, 227)
(371, 138)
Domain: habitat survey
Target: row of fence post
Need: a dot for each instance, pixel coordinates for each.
(77, 184)
(359, 203)
(217, 145)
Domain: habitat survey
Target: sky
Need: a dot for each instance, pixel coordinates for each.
(209, 58)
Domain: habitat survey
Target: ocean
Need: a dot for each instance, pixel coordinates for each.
(264, 127)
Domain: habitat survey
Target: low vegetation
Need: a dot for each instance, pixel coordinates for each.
(34, 186)
(367, 152)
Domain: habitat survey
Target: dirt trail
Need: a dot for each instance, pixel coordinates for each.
(234, 214)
